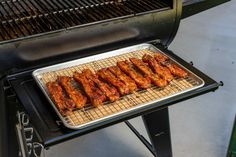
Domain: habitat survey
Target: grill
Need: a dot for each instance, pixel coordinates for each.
(43, 39)
(27, 18)
(90, 115)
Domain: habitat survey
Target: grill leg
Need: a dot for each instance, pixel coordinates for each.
(158, 128)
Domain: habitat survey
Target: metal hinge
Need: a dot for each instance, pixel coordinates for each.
(156, 41)
(158, 44)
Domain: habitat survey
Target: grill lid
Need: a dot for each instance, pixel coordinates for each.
(32, 32)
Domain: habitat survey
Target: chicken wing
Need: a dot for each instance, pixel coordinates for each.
(106, 75)
(162, 71)
(124, 78)
(63, 104)
(174, 69)
(126, 67)
(72, 93)
(95, 95)
(160, 57)
(109, 91)
(156, 80)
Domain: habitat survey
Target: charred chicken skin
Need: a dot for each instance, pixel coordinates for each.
(160, 57)
(72, 93)
(111, 92)
(106, 75)
(124, 78)
(112, 82)
(127, 68)
(95, 95)
(63, 104)
(156, 80)
(162, 71)
(174, 69)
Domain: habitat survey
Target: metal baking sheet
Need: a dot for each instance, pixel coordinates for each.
(89, 115)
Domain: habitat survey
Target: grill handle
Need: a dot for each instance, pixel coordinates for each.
(221, 83)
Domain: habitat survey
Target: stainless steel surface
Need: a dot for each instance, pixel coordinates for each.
(89, 116)
(21, 19)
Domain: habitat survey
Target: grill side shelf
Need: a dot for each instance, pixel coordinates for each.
(82, 118)
(51, 137)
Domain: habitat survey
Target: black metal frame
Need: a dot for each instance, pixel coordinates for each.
(158, 129)
(141, 137)
(8, 143)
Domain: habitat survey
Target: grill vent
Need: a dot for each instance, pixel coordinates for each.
(27, 18)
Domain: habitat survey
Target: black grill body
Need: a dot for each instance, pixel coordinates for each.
(127, 25)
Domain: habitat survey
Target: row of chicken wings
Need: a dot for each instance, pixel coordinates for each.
(113, 82)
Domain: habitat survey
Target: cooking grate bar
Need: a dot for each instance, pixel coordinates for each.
(25, 22)
(7, 26)
(56, 8)
(55, 20)
(27, 18)
(36, 27)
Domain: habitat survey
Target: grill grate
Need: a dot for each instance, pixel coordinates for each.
(27, 18)
(89, 114)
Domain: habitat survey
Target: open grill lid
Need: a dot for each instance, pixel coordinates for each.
(33, 32)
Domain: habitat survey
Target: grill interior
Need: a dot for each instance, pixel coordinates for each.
(89, 114)
(26, 18)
